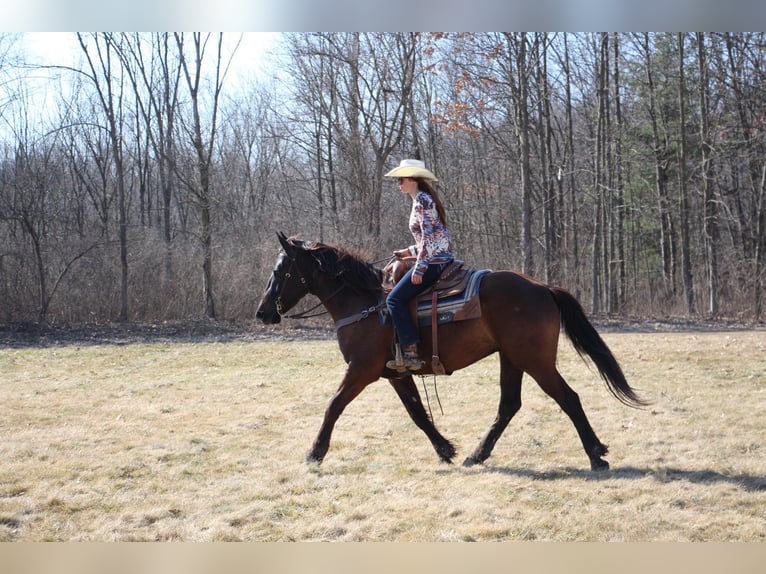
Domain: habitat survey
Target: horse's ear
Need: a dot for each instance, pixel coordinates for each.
(284, 242)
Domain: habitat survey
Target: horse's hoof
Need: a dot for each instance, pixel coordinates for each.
(312, 458)
(446, 452)
(471, 461)
(599, 464)
(446, 458)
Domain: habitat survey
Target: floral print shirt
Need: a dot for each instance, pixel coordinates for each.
(432, 238)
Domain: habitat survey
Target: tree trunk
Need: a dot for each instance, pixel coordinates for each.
(660, 175)
(201, 186)
(711, 205)
(571, 236)
(618, 255)
(524, 164)
(686, 265)
(111, 104)
(550, 205)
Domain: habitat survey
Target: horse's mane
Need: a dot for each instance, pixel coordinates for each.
(351, 267)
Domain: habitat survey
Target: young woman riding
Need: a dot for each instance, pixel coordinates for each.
(432, 252)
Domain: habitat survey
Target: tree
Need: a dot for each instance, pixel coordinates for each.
(31, 173)
(686, 265)
(578, 157)
(358, 89)
(155, 80)
(711, 203)
(744, 60)
(601, 177)
(661, 156)
(106, 78)
(200, 127)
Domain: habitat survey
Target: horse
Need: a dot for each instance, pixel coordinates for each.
(520, 320)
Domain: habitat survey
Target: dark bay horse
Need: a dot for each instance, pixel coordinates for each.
(520, 320)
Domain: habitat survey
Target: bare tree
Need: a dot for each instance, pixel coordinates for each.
(106, 77)
(711, 204)
(155, 79)
(744, 59)
(617, 235)
(571, 238)
(688, 278)
(661, 159)
(581, 153)
(31, 205)
(600, 176)
(201, 128)
(361, 85)
(544, 129)
(523, 134)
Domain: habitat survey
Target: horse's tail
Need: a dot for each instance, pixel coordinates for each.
(587, 341)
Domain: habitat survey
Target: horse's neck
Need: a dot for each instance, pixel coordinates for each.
(342, 300)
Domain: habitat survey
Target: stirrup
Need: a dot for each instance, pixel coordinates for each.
(403, 363)
(412, 361)
(397, 364)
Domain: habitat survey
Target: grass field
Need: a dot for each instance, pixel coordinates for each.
(206, 442)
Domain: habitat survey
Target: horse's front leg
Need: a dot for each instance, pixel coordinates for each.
(408, 393)
(353, 383)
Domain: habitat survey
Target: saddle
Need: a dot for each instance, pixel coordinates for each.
(452, 281)
(454, 296)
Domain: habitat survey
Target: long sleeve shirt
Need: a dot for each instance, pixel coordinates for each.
(432, 239)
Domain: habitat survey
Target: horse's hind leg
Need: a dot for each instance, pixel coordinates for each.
(408, 393)
(569, 401)
(510, 403)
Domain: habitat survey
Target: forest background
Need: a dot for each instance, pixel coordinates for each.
(146, 184)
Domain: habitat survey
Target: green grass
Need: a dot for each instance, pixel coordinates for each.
(206, 442)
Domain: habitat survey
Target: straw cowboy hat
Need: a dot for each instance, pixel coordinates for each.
(411, 168)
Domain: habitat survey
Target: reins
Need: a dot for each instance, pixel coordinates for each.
(436, 392)
(305, 314)
(387, 260)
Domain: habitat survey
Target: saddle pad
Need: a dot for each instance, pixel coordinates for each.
(448, 309)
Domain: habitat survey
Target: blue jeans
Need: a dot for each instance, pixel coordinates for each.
(400, 296)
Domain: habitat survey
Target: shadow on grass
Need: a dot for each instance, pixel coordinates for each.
(749, 482)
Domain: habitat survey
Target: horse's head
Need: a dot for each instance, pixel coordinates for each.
(287, 284)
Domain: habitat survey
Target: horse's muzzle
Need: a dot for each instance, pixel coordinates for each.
(268, 316)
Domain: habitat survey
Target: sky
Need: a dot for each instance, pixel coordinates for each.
(61, 48)
(44, 87)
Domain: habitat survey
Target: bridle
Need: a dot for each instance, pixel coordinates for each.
(304, 314)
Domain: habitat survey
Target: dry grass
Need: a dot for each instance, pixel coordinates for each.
(206, 442)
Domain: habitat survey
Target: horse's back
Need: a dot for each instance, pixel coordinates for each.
(520, 312)
(525, 295)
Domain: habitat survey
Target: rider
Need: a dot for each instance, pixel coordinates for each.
(432, 252)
